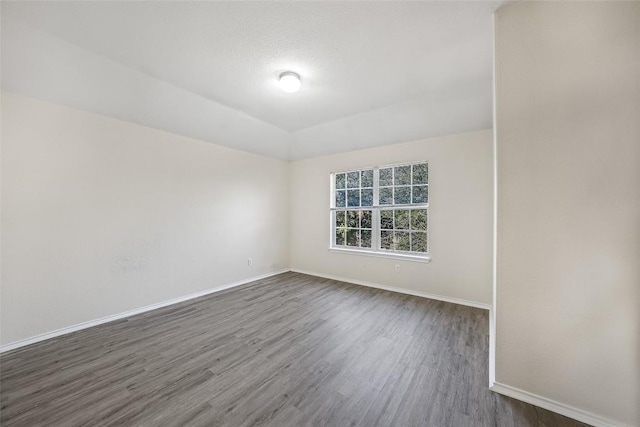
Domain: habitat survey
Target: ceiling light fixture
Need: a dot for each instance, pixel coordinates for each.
(290, 82)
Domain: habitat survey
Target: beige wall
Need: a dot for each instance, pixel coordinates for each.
(460, 196)
(568, 248)
(101, 216)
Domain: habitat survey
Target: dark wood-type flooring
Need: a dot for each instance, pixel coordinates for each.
(291, 350)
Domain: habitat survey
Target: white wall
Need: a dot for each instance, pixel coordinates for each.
(461, 209)
(568, 147)
(101, 216)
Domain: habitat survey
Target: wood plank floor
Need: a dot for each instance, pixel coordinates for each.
(291, 350)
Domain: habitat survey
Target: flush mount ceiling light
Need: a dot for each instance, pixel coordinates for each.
(290, 82)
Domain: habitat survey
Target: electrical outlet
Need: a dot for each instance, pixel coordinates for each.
(249, 262)
(397, 268)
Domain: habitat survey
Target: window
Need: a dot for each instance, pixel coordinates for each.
(381, 210)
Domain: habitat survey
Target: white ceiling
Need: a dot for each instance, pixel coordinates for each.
(373, 73)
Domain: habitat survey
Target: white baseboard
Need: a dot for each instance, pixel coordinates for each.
(84, 325)
(106, 319)
(543, 402)
(553, 406)
(399, 290)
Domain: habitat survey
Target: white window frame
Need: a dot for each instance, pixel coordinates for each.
(375, 209)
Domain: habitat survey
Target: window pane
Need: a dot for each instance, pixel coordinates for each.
(403, 195)
(402, 241)
(402, 220)
(366, 178)
(367, 197)
(420, 193)
(386, 239)
(418, 241)
(400, 227)
(353, 179)
(365, 238)
(386, 177)
(353, 220)
(353, 197)
(365, 219)
(386, 220)
(352, 237)
(386, 196)
(420, 174)
(419, 219)
(402, 175)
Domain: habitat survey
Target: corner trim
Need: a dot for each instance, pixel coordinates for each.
(494, 232)
(84, 325)
(398, 290)
(554, 406)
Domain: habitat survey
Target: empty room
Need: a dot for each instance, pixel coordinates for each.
(320, 213)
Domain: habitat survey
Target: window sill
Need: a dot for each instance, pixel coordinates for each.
(403, 257)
